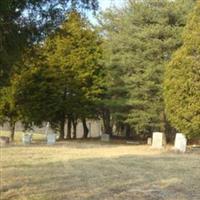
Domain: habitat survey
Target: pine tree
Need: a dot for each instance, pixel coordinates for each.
(19, 30)
(65, 81)
(141, 39)
(182, 80)
(23, 23)
(8, 109)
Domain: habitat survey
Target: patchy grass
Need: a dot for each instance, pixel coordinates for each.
(95, 171)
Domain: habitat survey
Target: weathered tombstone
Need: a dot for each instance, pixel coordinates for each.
(159, 140)
(27, 138)
(149, 140)
(90, 130)
(4, 140)
(180, 143)
(51, 138)
(105, 138)
(47, 128)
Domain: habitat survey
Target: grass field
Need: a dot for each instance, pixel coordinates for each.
(91, 170)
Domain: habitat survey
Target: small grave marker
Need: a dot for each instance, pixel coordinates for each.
(105, 138)
(27, 138)
(180, 142)
(4, 140)
(51, 138)
(159, 140)
(149, 141)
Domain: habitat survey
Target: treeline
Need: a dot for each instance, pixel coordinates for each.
(48, 63)
(123, 71)
(140, 40)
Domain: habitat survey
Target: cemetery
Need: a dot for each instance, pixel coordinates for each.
(100, 100)
(97, 170)
(52, 169)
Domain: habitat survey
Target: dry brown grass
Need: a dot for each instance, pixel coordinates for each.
(91, 171)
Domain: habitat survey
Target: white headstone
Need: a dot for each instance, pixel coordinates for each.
(159, 140)
(51, 138)
(149, 141)
(27, 138)
(90, 130)
(180, 142)
(47, 128)
(105, 138)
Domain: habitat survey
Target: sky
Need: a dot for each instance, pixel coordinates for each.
(104, 4)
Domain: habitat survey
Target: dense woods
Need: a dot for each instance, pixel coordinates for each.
(137, 70)
(140, 40)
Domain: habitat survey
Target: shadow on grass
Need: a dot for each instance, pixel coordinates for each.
(76, 144)
(162, 177)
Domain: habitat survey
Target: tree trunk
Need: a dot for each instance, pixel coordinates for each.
(166, 128)
(128, 131)
(63, 118)
(12, 131)
(85, 128)
(69, 128)
(62, 129)
(107, 122)
(74, 123)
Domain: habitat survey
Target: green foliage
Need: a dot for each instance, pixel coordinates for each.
(65, 79)
(34, 96)
(8, 109)
(24, 22)
(139, 41)
(182, 80)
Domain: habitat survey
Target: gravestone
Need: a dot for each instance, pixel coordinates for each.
(149, 141)
(105, 138)
(180, 143)
(27, 138)
(51, 138)
(159, 140)
(47, 128)
(4, 140)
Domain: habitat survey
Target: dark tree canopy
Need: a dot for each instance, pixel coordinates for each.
(63, 80)
(24, 22)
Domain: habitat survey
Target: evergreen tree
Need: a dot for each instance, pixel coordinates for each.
(65, 83)
(140, 39)
(24, 22)
(8, 109)
(182, 80)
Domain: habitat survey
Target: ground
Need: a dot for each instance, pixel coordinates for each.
(91, 170)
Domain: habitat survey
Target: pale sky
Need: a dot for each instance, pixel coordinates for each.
(104, 4)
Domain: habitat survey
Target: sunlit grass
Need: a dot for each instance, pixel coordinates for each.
(90, 171)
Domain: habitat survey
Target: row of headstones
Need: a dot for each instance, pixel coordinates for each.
(27, 138)
(159, 141)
